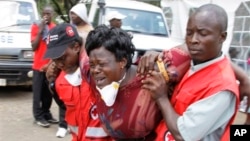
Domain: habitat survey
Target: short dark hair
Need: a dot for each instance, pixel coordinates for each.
(115, 40)
(78, 40)
(47, 6)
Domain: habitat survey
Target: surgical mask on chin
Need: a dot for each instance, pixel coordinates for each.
(109, 92)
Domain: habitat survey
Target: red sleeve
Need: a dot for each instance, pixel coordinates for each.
(34, 32)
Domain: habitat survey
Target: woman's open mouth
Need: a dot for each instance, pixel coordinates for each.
(100, 82)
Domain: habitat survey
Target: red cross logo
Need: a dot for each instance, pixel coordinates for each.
(70, 31)
(93, 112)
(169, 137)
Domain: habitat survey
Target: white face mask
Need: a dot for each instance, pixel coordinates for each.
(75, 78)
(109, 92)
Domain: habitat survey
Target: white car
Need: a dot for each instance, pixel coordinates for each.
(146, 22)
(16, 55)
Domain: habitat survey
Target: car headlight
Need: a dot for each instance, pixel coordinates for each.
(28, 54)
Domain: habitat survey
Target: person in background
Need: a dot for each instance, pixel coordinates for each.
(78, 17)
(247, 121)
(41, 90)
(206, 111)
(42, 98)
(115, 19)
(64, 47)
(244, 83)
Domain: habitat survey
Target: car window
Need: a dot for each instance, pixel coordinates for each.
(145, 22)
(139, 21)
(17, 14)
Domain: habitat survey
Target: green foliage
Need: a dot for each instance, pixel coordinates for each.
(40, 5)
(62, 7)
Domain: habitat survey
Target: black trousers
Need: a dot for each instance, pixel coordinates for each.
(62, 108)
(42, 98)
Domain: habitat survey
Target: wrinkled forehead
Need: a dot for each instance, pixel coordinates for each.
(101, 53)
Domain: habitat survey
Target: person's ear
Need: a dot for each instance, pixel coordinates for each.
(223, 36)
(77, 47)
(123, 63)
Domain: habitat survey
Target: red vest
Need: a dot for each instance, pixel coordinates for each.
(208, 81)
(80, 110)
(70, 95)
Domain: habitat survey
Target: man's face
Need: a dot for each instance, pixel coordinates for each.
(69, 61)
(75, 18)
(116, 23)
(104, 68)
(204, 37)
(47, 14)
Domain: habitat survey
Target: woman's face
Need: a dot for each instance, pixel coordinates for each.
(104, 68)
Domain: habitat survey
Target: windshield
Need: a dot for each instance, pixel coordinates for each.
(139, 21)
(16, 14)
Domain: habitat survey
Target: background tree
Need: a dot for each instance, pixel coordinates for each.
(62, 7)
